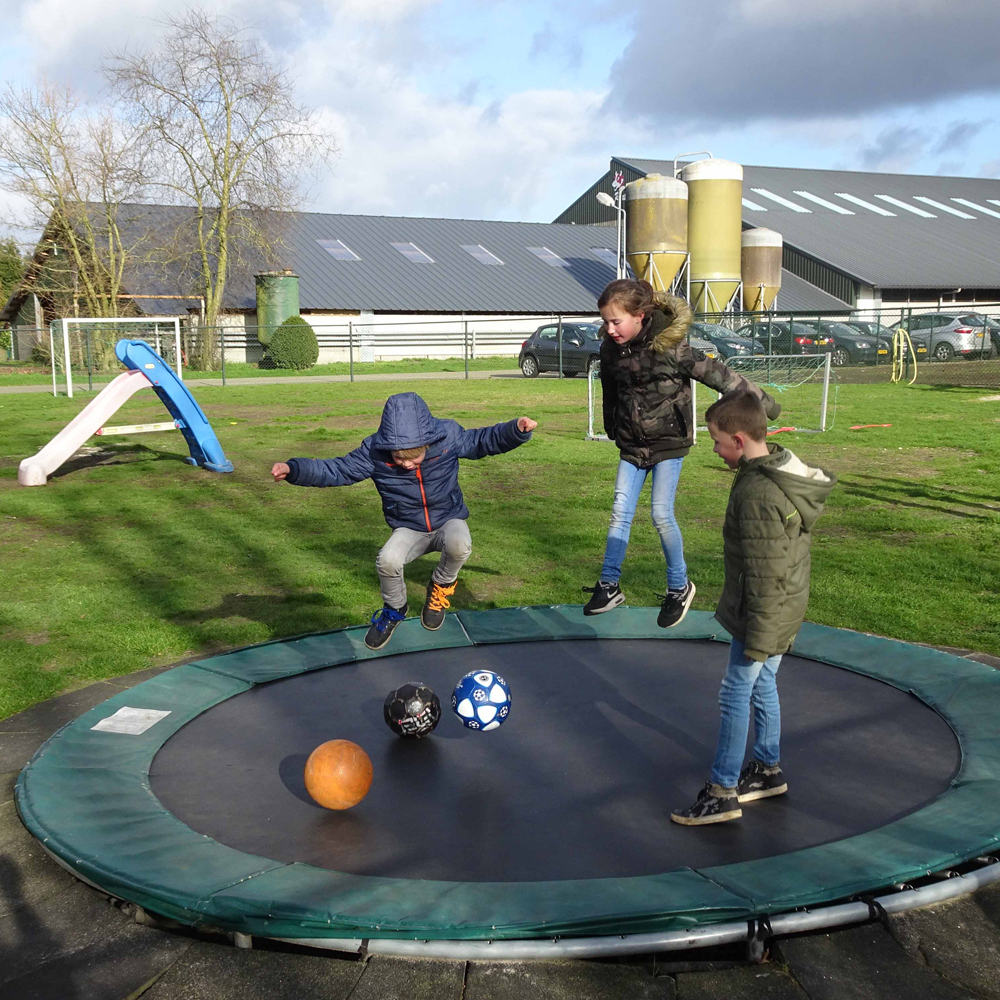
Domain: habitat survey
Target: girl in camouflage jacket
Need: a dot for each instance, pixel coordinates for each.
(646, 369)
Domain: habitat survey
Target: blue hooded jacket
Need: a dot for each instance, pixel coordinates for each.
(423, 498)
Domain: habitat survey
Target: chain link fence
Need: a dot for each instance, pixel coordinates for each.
(944, 345)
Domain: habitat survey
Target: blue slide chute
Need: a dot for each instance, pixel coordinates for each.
(191, 421)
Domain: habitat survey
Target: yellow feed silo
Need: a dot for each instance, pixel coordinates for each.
(656, 228)
(761, 268)
(715, 214)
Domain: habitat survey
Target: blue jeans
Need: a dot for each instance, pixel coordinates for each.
(747, 683)
(628, 486)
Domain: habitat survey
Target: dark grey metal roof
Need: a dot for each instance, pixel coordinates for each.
(897, 250)
(383, 280)
(797, 294)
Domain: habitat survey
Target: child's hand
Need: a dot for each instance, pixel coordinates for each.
(279, 470)
(525, 424)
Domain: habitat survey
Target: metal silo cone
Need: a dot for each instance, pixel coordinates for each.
(761, 268)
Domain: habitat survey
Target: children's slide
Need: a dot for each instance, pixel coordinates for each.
(146, 368)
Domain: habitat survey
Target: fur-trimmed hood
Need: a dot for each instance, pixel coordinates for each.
(669, 321)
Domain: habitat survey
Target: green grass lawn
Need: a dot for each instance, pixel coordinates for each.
(130, 558)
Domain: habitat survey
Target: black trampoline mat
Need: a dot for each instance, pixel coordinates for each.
(604, 738)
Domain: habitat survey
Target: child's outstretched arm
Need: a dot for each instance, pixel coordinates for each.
(350, 468)
(719, 376)
(495, 440)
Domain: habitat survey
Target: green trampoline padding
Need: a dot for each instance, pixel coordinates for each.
(86, 796)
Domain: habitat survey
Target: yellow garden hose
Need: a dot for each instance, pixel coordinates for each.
(901, 340)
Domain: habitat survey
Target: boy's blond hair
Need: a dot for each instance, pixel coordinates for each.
(739, 411)
(406, 453)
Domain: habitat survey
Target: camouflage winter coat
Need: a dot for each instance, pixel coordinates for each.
(647, 389)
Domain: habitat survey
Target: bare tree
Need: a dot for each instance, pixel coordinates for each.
(76, 167)
(233, 141)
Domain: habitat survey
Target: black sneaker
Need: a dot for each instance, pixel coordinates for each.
(759, 781)
(714, 804)
(606, 596)
(675, 605)
(382, 626)
(435, 605)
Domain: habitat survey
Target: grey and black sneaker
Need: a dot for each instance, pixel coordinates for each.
(760, 781)
(382, 626)
(675, 605)
(606, 596)
(714, 804)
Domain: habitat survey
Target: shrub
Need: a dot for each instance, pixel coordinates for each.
(293, 345)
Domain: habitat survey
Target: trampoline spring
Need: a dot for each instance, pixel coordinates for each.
(946, 874)
(987, 859)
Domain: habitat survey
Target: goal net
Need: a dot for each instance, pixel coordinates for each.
(83, 348)
(800, 382)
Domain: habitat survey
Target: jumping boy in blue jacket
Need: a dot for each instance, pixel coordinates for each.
(413, 460)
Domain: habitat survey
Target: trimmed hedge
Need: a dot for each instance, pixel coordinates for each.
(293, 345)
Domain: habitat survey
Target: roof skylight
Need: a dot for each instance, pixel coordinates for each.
(978, 208)
(764, 193)
(753, 206)
(903, 205)
(877, 209)
(412, 252)
(944, 208)
(481, 253)
(338, 249)
(605, 256)
(550, 258)
(839, 209)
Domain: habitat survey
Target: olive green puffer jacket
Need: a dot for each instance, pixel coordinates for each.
(646, 385)
(773, 505)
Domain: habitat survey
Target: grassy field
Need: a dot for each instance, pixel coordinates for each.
(130, 558)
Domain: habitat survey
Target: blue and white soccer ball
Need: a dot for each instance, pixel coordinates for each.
(481, 700)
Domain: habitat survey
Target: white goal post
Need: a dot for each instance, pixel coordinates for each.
(171, 334)
(800, 382)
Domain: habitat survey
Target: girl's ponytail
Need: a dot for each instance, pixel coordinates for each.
(633, 296)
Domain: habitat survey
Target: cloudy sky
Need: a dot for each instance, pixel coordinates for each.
(509, 109)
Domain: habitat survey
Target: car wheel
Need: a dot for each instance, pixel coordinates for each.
(529, 366)
(944, 351)
(839, 356)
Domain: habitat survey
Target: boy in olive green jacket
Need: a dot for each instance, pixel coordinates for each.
(774, 502)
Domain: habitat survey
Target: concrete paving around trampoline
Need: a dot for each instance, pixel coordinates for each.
(63, 940)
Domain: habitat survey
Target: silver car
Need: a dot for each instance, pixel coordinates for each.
(943, 336)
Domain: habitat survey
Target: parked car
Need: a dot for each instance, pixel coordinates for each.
(850, 345)
(726, 342)
(943, 336)
(785, 338)
(991, 324)
(581, 345)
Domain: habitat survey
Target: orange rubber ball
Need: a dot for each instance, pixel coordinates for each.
(338, 774)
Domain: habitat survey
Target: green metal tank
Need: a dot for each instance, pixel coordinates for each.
(656, 228)
(761, 268)
(715, 221)
(277, 299)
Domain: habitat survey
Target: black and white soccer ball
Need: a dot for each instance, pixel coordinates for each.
(481, 700)
(412, 710)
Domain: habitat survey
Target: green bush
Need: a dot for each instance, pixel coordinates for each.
(293, 345)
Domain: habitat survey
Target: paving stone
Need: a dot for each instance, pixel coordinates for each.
(221, 972)
(754, 982)
(27, 874)
(862, 963)
(577, 980)
(7, 780)
(410, 979)
(109, 968)
(959, 940)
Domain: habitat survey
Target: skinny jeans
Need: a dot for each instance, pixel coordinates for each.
(628, 486)
(452, 540)
(747, 684)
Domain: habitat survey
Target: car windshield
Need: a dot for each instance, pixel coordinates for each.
(591, 331)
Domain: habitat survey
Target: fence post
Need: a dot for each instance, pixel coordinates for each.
(350, 347)
(90, 368)
(222, 350)
(878, 333)
(465, 347)
(559, 338)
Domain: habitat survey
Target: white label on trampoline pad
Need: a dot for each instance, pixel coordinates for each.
(131, 721)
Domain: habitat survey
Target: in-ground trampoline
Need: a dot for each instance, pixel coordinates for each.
(550, 835)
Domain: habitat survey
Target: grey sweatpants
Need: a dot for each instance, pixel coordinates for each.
(452, 540)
